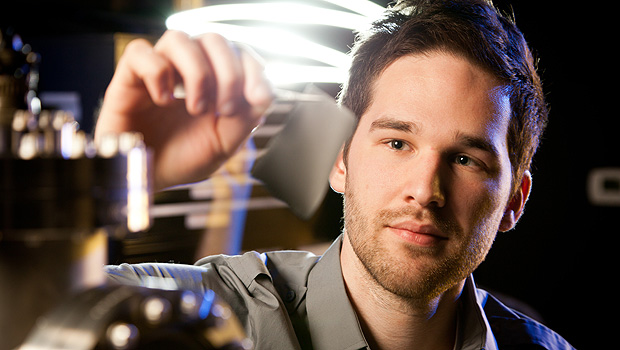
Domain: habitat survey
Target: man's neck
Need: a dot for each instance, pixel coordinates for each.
(393, 322)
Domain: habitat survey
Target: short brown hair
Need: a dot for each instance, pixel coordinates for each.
(474, 29)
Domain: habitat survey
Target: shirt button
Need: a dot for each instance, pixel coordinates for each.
(290, 296)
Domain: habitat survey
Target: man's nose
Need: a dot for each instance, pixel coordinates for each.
(425, 183)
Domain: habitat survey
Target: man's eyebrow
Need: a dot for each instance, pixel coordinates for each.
(470, 141)
(394, 124)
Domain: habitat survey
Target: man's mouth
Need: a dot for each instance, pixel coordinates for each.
(424, 235)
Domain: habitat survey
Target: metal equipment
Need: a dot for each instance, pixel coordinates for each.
(61, 196)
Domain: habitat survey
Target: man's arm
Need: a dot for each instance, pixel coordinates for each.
(226, 95)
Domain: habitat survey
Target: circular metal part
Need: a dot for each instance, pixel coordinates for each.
(119, 317)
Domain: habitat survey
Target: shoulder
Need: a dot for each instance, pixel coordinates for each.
(514, 330)
(290, 269)
(297, 262)
(251, 264)
(245, 268)
(285, 266)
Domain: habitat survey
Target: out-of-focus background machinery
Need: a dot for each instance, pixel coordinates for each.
(61, 197)
(69, 206)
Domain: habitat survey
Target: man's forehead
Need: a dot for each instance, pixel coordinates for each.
(442, 83)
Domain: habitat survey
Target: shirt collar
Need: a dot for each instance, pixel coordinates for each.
(327, 295)
(473, 326)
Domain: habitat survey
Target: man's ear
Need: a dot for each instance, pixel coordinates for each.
(515, 207)
(338, 175)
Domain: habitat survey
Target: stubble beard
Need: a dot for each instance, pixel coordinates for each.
(412, 280)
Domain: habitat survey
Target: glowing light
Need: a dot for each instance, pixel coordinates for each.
(138, 199)
(68, 140)
(276, 41)
(274, 12)
(207, 302)
(332, 65)
(284, 74)
(363, 7)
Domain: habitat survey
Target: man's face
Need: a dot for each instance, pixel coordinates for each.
(427, 178)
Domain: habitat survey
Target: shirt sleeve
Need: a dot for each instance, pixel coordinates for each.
(159, 275)
(243, 282)
(214, 272)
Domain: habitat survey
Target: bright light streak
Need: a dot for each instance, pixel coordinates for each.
(273, 12)
(363, 7)
(357, 14)
(281, 74)
(273, 40)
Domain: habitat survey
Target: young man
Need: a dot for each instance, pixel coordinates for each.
(450, 111)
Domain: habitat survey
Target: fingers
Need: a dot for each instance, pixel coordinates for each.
(193, 69)
(225, 61)
(217, 75)
(239, 76)
(258, 91)
(226, 94)
(142, 78)
(145, 67)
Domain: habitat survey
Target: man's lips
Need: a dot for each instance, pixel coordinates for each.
(419, 234)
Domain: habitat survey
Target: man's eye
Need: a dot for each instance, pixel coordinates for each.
(464, 160)
(397, 144)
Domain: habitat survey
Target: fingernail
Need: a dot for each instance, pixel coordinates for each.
(228, 108)
(201, 106)
(165, 96)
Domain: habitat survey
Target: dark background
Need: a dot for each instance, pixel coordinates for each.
(559, 259)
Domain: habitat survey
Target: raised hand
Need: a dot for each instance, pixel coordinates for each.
(226, 96)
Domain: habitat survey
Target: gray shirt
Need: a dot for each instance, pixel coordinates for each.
(297, 300)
